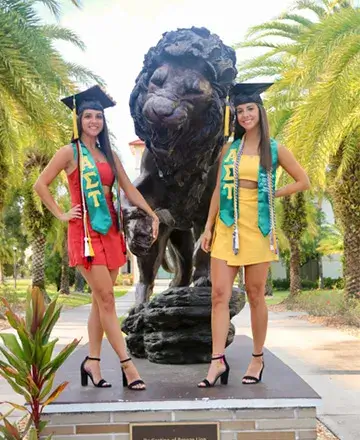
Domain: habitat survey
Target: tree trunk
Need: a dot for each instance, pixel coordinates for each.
(321, 272)
(295, 280)
(352, 263)
(65, 279)
(38, 265)
(269, 286)
(346, 196)
(79, 282)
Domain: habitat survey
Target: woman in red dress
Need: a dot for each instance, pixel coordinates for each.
(95, 241)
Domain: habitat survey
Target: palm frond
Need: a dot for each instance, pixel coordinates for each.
(332, 240)
(55, 32)
(275, 27)
(311, 6)
(53, 5)
(84, 75)
(297, 18)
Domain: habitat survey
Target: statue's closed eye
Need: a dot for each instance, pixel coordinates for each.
(193, 88)
(159, 76)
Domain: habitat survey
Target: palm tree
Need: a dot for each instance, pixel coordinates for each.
(315, 106)
(293, 225)
(6, 251)
(37, 218)
(32, 77)
(57, 237)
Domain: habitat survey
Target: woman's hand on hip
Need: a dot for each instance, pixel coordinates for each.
(74, 212)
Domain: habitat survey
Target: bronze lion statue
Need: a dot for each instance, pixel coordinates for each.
(177, 106)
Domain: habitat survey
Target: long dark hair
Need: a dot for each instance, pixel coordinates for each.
(264, 145)
(103, 137)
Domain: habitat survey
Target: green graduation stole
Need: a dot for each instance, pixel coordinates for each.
(92, 192)
(266, 191)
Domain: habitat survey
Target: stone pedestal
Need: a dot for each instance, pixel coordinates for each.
(175, 326)
(281, 407)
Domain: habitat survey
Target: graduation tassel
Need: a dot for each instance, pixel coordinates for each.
(75, 127)
(91, 249)
(227, 118)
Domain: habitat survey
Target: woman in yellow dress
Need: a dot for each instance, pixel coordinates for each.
(240, 229)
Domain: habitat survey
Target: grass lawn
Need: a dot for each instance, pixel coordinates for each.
(322, 303)
(278, 297)
(307, 296)
(68, 301)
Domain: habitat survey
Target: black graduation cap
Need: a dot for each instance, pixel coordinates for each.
(244, 93)
(94, 98)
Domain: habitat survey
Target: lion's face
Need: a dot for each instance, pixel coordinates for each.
(177, 96)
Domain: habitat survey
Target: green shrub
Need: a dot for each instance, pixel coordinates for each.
(52, 266)
(281, 284)
(29, 366)
(333, 283)
(329, 283)
(309, 285)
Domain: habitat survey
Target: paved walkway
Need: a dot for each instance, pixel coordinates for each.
(326, 358)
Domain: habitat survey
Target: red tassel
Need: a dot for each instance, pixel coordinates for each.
(87, 263)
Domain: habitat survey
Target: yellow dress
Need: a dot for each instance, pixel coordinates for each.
(254, 248)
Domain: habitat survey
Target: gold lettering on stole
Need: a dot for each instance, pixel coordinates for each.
(231, 157)
(94, 195)
(230, 190)
(87, 163)
(229, 172)
(89, 183)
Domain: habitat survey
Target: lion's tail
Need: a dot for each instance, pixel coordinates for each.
(169, 260)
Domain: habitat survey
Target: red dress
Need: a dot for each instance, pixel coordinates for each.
(109, 249)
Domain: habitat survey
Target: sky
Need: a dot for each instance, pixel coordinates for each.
(118, 33)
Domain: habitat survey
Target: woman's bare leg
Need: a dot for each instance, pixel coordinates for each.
(222, 279)
(96, 334)
(255, 281)
(101, 284)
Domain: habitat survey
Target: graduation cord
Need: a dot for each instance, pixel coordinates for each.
(236, 197)
(88, 250)
(273, 243)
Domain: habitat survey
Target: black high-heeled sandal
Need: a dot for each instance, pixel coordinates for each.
(253, 378)
(86, 374)
(224, 376)
(132, 385)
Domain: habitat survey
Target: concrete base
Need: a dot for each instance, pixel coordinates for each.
(282, 407)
